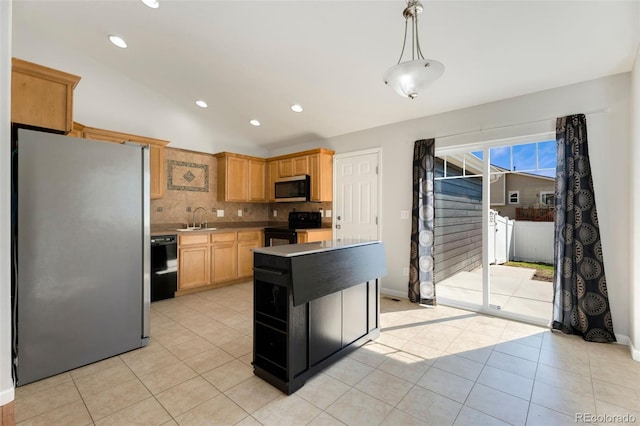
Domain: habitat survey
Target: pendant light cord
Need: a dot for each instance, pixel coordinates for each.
(415, 38)
(404, 40)
(415, 24)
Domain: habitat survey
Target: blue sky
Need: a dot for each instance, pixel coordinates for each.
(522, 158)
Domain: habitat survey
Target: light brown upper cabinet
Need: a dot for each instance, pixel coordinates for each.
(42, 97)
(257, 187)
(272, 176)
(156, 154)
(317, 163)
(241, 178)
(321, 171)
(77, 130)
(294, 166)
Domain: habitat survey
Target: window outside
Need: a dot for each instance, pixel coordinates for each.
(547, 198)
(514, 197)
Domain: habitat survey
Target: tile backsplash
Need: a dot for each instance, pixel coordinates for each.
(191, 183)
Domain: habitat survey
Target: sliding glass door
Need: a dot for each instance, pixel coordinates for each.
(494, 228)
(459, 215)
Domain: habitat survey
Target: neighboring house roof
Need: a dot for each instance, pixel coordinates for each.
(471, 163)
(532, 175)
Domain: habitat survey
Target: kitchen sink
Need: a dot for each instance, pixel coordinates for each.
(191, 228)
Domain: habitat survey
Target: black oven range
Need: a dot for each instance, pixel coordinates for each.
(287, 234)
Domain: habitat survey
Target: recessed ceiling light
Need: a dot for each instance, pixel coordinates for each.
(153, 4)
(201, 103)
(254, 122)
(118, 41)
(297, 108)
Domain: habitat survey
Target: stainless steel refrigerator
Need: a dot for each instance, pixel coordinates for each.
(80, 225)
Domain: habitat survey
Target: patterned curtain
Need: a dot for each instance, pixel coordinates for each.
(580, 302)
(422, 288)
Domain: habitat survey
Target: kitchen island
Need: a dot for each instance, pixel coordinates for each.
(313, 304)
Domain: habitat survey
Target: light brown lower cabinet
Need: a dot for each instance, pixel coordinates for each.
(247, 240)
(224, 258)
(206, 259)
(194, 267)
(313, 235)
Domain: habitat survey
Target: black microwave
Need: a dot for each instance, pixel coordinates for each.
(294, 188)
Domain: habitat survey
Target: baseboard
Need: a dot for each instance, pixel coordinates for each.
(394, 293)
(621, 339)
(635, 352)
(6, 396)
(625, 340)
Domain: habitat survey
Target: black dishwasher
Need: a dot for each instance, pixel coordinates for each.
(164, 267)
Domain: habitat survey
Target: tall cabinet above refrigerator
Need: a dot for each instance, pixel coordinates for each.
(80, 247)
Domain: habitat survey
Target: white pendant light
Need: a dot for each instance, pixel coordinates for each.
(153, 4)
(118, 41)
(411, 77)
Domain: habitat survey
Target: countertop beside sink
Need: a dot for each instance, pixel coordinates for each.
(194, 229)
(179, 228)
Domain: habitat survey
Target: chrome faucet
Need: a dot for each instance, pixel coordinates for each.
(194, 216)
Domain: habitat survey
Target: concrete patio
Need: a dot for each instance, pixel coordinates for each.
(511, 288)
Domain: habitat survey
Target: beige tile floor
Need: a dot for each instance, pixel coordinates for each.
(430, 366)
(511, 288)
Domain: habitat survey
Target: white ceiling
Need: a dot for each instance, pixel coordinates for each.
(253, 59)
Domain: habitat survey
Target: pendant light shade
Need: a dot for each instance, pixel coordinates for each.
(412, 77)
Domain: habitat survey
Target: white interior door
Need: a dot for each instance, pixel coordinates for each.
(356, 209)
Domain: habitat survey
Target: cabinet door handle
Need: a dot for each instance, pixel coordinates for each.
(270, 271)
(338, 227)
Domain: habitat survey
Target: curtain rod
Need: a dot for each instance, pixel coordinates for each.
(598, 111)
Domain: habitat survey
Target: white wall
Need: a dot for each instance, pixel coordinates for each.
(6, 382)
(609, 145)
(634, 299)
(107, 99)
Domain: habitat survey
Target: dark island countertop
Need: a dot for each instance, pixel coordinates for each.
(316, 269)
(292, 250)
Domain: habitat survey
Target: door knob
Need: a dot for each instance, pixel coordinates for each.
(338, 218)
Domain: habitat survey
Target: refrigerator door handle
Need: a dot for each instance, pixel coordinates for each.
(146, 245)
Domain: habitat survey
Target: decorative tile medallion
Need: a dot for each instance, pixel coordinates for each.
(189, 176)
(185, 176)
